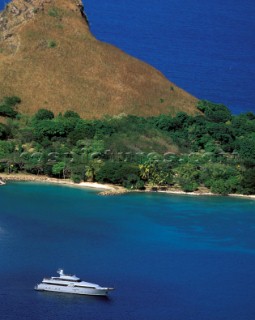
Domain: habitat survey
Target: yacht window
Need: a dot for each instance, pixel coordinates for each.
(85, 287)
(69, 280)
(56, 284)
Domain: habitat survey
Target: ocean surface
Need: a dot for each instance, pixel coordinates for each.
(168, 257)
(205, 47)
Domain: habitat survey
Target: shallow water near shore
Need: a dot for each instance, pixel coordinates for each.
(168, 256)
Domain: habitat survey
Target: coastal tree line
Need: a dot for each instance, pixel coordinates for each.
(212, 149)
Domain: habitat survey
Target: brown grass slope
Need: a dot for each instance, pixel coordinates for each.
(50, 59)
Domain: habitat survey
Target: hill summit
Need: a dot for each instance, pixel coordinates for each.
(49, 58)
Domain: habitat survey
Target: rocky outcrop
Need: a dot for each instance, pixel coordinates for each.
(2, 183)
(18, 12)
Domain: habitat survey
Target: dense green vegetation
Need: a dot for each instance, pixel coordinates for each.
(8, 106)
(213, 149)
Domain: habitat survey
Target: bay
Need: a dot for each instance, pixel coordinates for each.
(168, 257)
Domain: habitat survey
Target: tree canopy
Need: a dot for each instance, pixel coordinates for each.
(213, 149)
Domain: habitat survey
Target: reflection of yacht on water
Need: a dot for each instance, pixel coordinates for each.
(71, 284)
(2, 182)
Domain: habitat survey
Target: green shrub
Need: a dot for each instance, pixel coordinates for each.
(220, 187)
(59, 26)
(7, 106)
(214, 112)
(7, 111)
(118, 172)
(4, 131)
(6, 148)
(54, 12)
(71, 114)
(188, 186)
(133, 181)
(248, 181)
(76, 178)
(52, 44)
(246, 149)
(12, 100)
(44, 114)
(83, 130)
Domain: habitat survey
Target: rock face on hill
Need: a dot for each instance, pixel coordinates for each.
(50, 59)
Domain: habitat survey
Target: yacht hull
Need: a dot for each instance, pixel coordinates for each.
(73, 290)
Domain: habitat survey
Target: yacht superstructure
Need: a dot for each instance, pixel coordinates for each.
(71, 284)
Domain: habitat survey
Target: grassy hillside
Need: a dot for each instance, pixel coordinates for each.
(50, 59)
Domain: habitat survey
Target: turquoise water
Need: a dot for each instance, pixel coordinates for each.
(169, 257)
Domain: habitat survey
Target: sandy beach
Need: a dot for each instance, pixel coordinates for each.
(107, 189)
(44, 179)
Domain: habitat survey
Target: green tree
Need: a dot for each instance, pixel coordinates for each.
(34, 163)
(221, 178)
(71, 114)
(52, 128)
(44, 114)
(214, 112)
(246, 149)
(187, 175)
(8, 106)
(4, 131)
(59, 169)
(83, 130)
(6, 148)
(116, 172)
(248, 181)
(242, 125)
(133, 182)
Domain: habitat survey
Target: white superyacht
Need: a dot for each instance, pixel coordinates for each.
(71, 284)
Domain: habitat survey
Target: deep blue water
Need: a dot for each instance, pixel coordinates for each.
(205, 47)
(169, 257)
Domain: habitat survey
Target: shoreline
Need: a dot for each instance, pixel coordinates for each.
(23, 177)
(107, 189)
